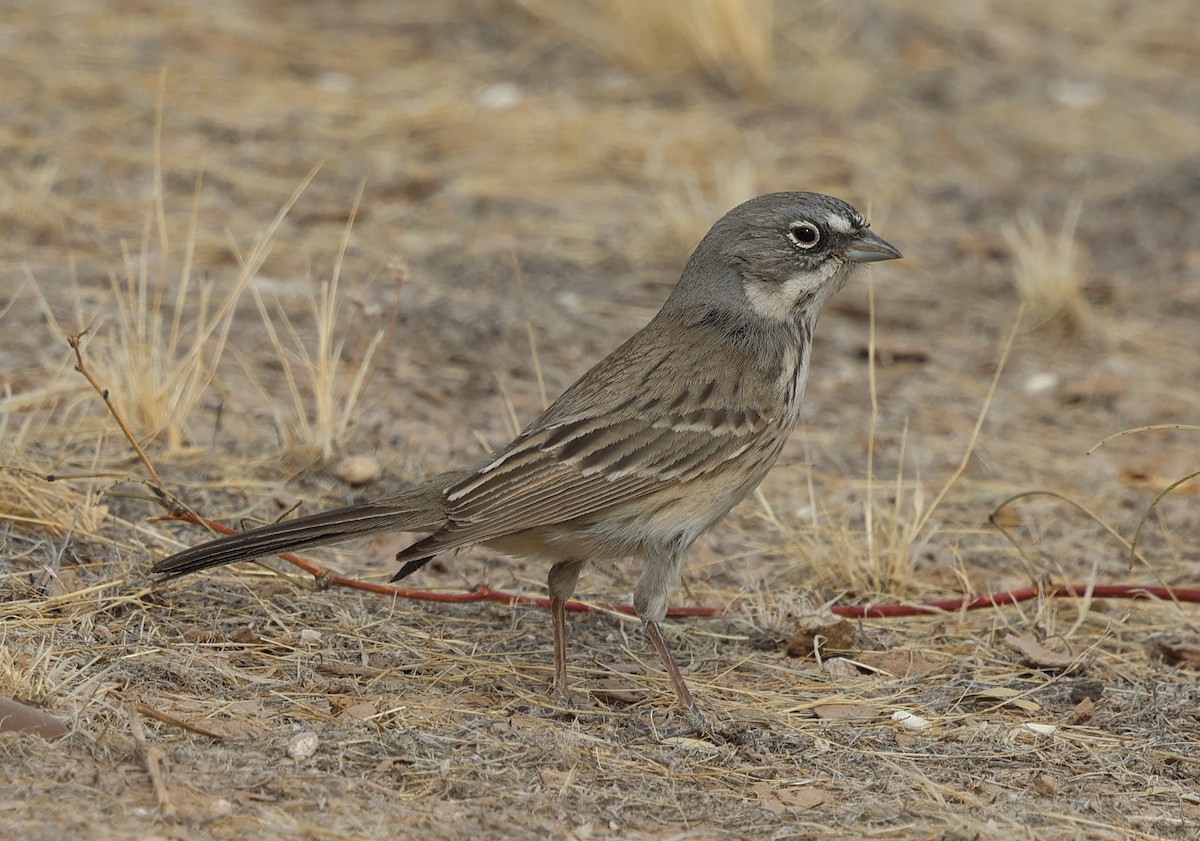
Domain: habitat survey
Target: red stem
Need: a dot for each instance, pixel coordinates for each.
(325, 580)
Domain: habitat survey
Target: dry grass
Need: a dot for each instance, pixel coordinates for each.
(1050, 271)
(730, 41)
(324, 390)
(144, 204)
(691, 208)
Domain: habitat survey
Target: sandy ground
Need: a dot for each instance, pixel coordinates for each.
(532, 176)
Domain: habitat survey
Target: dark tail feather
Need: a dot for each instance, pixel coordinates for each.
(301, 533)
(409, 568)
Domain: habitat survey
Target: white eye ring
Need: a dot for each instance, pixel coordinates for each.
(804, 235)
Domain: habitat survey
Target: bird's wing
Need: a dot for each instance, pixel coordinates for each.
(627, 444)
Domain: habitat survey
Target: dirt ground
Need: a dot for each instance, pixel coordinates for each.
(525, 180)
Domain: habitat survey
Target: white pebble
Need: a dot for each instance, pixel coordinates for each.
(303, 745)
(912, 721)
(357, 470)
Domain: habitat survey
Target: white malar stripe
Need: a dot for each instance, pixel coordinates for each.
(774, 301)
(777, 301)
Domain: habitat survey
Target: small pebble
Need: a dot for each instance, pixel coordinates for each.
(910, 720)
(839, 668)
(357, 470)
(303, 745)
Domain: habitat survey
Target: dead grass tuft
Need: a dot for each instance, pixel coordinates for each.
(689, 210)
(324, 389)
(730, 41)
(1049, 273)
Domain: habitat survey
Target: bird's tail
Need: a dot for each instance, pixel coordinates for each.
(414, 512)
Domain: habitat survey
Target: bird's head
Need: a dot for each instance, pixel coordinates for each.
(783, 254)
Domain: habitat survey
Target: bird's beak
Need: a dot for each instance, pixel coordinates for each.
(869, 248)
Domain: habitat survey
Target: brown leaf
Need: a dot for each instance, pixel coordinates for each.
(1007, 698)
(1178, 651)
(846, 712)
(1094, 391)
(1008, 517)
(1082, 712)
(16, 717)
(1036, 654)
(1151, 478)
(611, 690)
(361, 711)
(840, 669)
(834, 636)
(898, 663)
(245, 635)
(777, 801)
(802, 799)
(1045, 785)
(67, 581)
(617, 690)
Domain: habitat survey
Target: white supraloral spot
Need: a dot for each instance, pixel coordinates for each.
(837, 222)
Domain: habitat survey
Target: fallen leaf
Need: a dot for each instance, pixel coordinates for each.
(1082, 712)
(1007, 698)
(777, 801)
(823, 637)
(898, 663)
(611, 690)
(1149, 478)
(1045, 785)
(1177, 651)
(840, 668)
(802, 799)
(1036, 654)
(361, 711)
(617, 690)
(688, 743)
(1008, 518)
(846, 712)
(16, 717)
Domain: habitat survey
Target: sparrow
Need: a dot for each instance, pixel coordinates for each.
(648, 449)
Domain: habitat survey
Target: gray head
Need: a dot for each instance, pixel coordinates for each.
(782, 254)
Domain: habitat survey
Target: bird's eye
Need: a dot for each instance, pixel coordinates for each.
(804, 234)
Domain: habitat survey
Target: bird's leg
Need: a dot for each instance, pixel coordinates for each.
(650, 600)
(668, 660)
(561, 582)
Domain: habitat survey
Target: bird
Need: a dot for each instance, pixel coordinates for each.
(648, 449)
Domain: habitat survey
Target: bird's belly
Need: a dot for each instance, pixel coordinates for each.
(671, 518)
